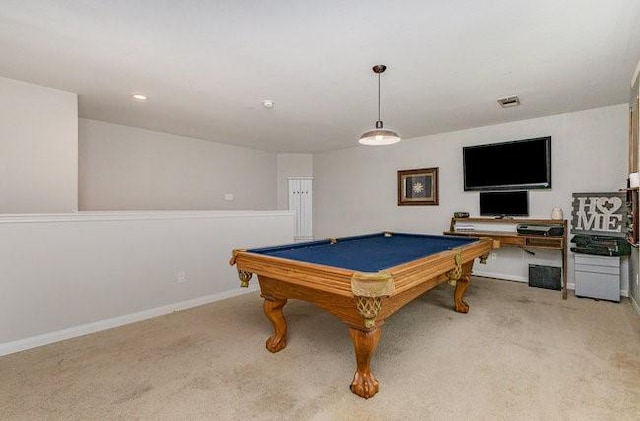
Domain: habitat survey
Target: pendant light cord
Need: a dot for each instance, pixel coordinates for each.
(378, 96)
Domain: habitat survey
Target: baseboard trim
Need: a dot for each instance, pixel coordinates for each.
(501, 276)
(73, 332)
(634, 304)
(515, 278)
(76, 331)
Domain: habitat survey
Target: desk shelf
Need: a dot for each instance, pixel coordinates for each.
(512, 238)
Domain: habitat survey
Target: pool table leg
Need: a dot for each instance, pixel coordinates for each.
(461, 287)
(273, 310)
(364, 384)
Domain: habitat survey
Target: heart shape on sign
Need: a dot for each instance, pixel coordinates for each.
(608, 205)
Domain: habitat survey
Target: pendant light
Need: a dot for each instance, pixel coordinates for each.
(379, 136)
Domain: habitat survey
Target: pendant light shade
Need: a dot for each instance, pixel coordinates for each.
(379, 136)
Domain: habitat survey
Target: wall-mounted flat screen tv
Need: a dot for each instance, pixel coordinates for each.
(504, 203)
(520, 164)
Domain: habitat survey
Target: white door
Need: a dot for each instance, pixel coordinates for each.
(300, 201)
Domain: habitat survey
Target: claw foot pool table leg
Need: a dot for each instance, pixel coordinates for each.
(461, 305)
(364, 383)
(273, 310)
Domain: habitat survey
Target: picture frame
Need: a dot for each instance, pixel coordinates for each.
(418, 187)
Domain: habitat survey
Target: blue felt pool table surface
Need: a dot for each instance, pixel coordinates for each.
(366, 253)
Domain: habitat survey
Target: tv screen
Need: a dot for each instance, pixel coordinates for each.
(504, 203)
(520, 164)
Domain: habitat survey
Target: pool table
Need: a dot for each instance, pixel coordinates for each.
(361, 280)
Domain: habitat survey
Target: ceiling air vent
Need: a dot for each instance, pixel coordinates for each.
(509, 101)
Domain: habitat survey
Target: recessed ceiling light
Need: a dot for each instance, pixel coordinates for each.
(268, 103)
(139, 97)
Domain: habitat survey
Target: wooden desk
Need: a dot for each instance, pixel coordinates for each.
(512, 238)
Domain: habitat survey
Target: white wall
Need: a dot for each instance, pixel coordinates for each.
(38, 149)
(126, 168)
(291, 165)
(67, 275)
(634, 259)
(355, 190)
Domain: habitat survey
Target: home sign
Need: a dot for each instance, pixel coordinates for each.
(605, 214)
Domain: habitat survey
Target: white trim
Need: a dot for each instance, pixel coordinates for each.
(634, 304)
(73, 332)
(501, 276)
(132, 216)
(572, 286)
(514, 278)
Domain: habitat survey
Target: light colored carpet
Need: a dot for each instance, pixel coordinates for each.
(521, 353)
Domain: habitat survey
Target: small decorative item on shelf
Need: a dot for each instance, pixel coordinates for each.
(556, 213)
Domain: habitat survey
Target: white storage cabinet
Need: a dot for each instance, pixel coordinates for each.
(597, 277)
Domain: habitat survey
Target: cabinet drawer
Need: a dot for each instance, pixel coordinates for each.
(590, 259)
(596, 285)
(609, 270)
(544, 242)
(511, 241)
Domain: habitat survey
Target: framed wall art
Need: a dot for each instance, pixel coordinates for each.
(418, 187)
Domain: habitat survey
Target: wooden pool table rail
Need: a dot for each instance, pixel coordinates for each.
(338, 281)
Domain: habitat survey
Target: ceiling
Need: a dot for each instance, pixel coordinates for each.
(206, 66)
